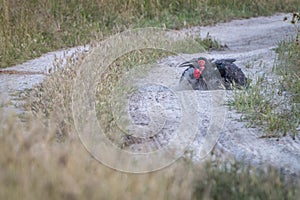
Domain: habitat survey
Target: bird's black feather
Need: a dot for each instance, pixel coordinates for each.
(231, 73)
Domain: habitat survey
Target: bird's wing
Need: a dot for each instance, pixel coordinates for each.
(187, 73)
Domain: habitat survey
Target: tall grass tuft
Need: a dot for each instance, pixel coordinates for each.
(265, 106)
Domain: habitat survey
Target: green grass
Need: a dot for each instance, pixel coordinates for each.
(239, 181)
(288, 65)
(275, 106)
(262, 105)
(210, 43)
(30, 28)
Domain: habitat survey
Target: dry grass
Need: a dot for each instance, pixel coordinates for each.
(34, 165)
(30, 28)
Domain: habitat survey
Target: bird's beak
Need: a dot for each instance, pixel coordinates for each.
(186, 64)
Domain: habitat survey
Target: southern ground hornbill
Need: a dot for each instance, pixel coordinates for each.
(203, 74)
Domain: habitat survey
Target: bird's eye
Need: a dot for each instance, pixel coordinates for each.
(201, 62)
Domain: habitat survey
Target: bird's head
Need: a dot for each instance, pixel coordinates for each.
(198, 64)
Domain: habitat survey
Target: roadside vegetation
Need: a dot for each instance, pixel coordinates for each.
(275, 105)
(30, 28)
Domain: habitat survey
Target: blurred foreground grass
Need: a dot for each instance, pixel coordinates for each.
(34, 165)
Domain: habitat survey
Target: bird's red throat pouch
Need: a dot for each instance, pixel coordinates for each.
(198, 72)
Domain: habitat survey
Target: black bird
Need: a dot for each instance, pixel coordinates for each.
(202, 74)
(232, 75)
(193, 74)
